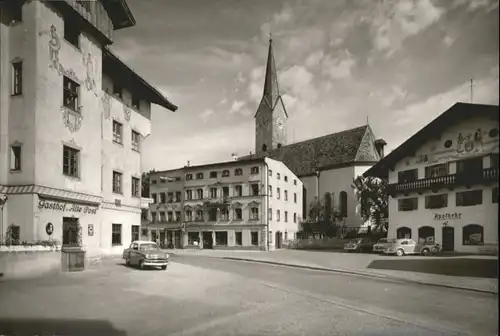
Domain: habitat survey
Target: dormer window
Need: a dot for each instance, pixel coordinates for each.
(189, 177)
(254, 170)
(213, 174)
(225, 173)
(238, 172)
(199, 176)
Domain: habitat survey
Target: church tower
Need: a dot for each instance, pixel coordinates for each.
(271, 117)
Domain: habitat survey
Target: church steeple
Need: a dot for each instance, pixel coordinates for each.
(271, 117)
(271, 89)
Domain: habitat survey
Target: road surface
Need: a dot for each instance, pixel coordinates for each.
(208, 296)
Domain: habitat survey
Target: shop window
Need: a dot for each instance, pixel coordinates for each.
(193, 238)
(255, 238)
(221, 238)
(408, 204)
(436, 201)
(426, 234)
(403, 232)
(469, 198)
(473, 234)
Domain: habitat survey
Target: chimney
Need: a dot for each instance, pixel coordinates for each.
(235, 157)
(379, 146)
(188, 164)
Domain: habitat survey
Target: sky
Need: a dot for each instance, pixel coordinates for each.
(397, 64)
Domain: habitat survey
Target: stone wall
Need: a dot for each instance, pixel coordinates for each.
(29, 264)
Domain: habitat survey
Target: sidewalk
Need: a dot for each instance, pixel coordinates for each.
(353, 264)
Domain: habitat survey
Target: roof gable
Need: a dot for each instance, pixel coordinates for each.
(366, 150)
(455, 114)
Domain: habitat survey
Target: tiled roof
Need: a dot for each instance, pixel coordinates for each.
(306, 157)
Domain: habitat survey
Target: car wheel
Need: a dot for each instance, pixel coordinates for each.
(360, 250)
(141, 264)
(425, 252)
(127, 262)
(400, 253)
(164, 268)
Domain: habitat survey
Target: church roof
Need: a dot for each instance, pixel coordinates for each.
(331, 151)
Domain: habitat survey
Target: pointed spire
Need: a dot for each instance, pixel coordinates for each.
(271, 91)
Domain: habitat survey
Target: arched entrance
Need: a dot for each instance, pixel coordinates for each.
(448, 238)
(403, 232)
(426, 233)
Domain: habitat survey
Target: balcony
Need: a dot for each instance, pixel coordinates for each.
(222, 201)
(488, 176)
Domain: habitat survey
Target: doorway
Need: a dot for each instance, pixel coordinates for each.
(177, 241)
(162, 238)
(448, 238)
(71, 232)
(208, 242)
(278, 239)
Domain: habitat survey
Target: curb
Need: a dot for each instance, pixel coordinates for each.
(365, 274)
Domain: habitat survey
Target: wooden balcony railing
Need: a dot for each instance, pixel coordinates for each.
(488, 175)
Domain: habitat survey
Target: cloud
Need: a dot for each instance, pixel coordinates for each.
(473, 5)
(338, 68)
(448, 40)
(298, 81)
(396, 20)
(223, 101)
(314, 58)
(236, 106)
(206, 114)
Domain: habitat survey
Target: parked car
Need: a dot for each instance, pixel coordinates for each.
(402, 247)
(145, 254)
(380, 246)
(359, 245)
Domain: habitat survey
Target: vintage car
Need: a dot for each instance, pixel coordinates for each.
(359, 245)
(380, 246)
(145, 254)
(405, 246)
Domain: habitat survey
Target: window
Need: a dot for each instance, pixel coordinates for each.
(178, 216)
(437, 170)
(278, 215)
(117, 132)
(238, 214)
(270, 190)
(270, 172)
(494, 160)
(199, 176)
(193, 238)
(343, 204)
(294, 182)
(199, 193)
(473, 234)
(294, 197)
(170, 216)
(436, 201)
(135, 232)
(71, 158)
(189, 215)
(136, 102)
(224, 214)
(294, 217)
(169, 198)
(254, 213)
(254, 170)
(270, 237)
(71, 34)
(278, 176)
(153, 217)
(278, 193)
(16, 10)
(154, 197)
(469, 198)
(473, 166)
(494, 195)
(238, 238)
(117, 182)
(163, 197)
(254, 237)
(225, 173)
(117, 90)
(238, 172)
(221, 238)
(116, 237)
(177, 196)
(163, 217)
(154, 181)
(270, 214)
(264, 147)
(286, 178)
(70, 231)
(286, 195)
(238, 191)
(144, 214)
(408, 204)
(70, 94)
(255, 189)
(189, 177)
(199, 215)
(403, 232)
(189, 194)
(213, 192)
(15, 158)
(426, 234)
(136, 187)
(17, 78)
(212, 214)
(286, 236)
(225, 191)
(86, 6)
(136, 141)
(286, 216)
(407, 175)
(213, 174)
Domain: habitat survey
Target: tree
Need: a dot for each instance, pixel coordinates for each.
(145, 183)
(322, 217)
(371, 193)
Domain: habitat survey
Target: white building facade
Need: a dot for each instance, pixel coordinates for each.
(251, 204)
(72, 118)
(444, 181)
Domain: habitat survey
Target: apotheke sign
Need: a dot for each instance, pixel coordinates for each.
(447, 216)
(69, 207)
